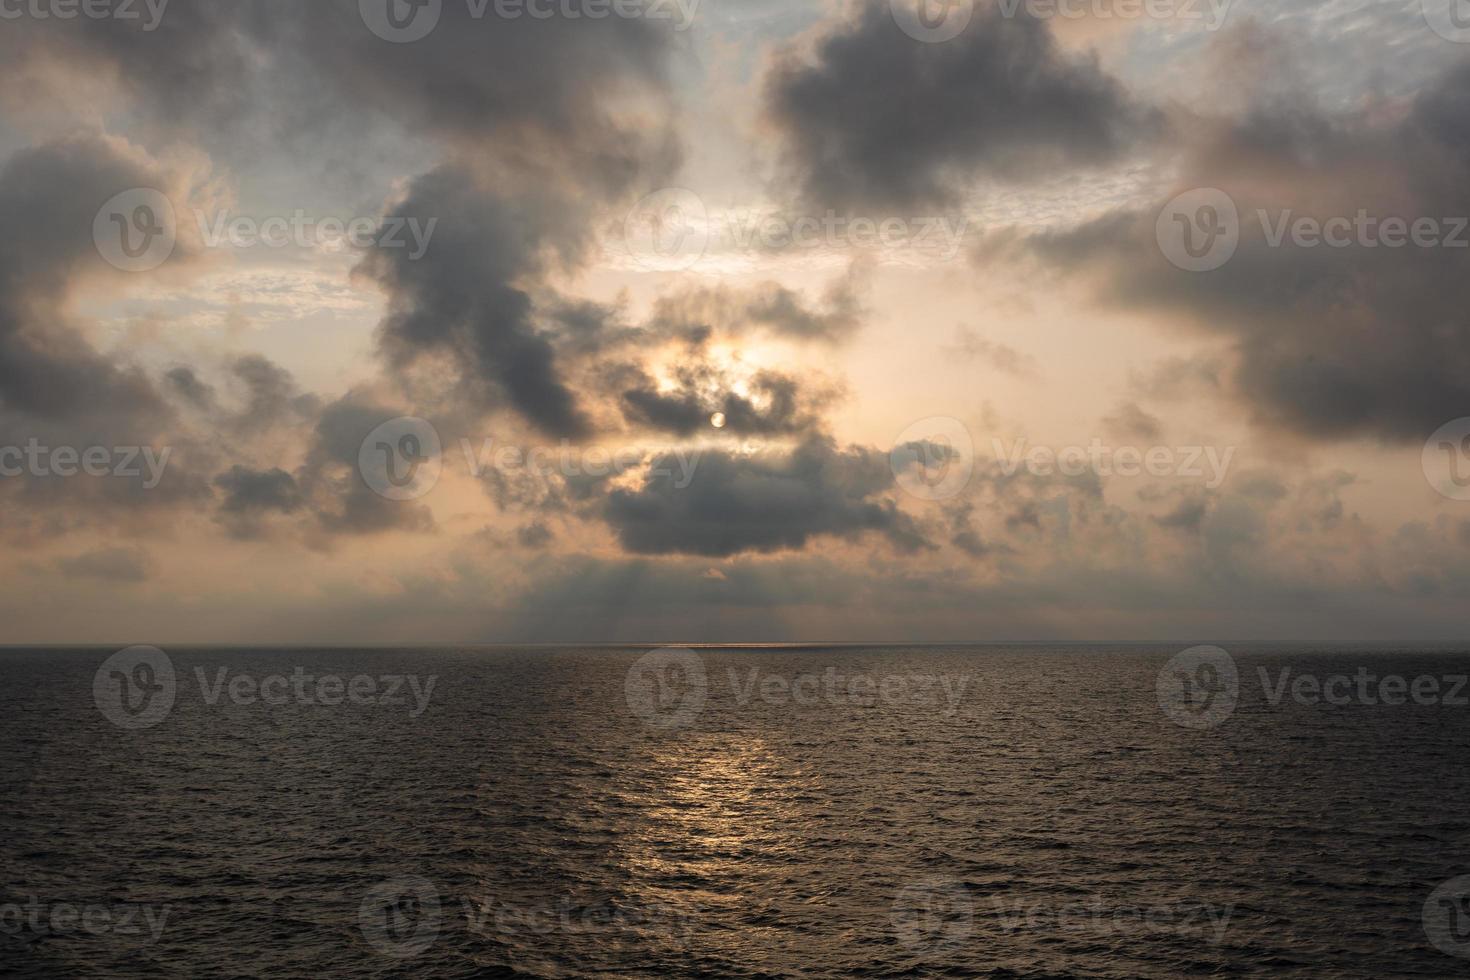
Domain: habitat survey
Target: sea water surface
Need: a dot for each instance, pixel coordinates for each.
(1025, 811)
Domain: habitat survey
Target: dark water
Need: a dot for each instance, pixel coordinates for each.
(550, 814)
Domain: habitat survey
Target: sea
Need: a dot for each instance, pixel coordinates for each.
(1009, 811)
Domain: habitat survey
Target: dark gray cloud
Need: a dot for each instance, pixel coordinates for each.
(1331, 342)
(548, 123)
(252, 497)
(534, 535)
(763, 503)
(774, 403)
(876, 119)
(696, 314)
(458, 305)
(271, 395)
(1187, 515)
(49, 196)
(341, 501)
(187, 384)
(251, 74)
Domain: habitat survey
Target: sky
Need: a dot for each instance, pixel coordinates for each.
(564, 321)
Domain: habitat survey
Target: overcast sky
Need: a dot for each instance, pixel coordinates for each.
(734, 320)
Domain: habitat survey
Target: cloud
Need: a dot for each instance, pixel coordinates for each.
(765, 502)
(460, 300)
(49, 198)
(584, 92)
(1329, 342)
(771, 403)
(970, 346)
(1130, 421)
(874, 119)
(120, 565)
